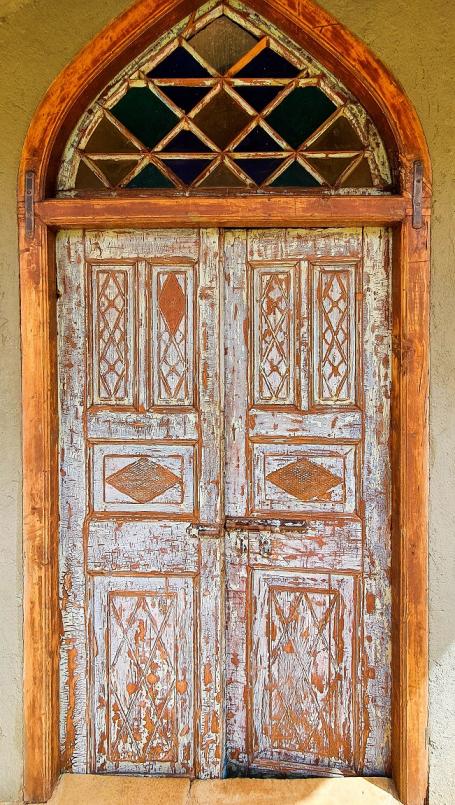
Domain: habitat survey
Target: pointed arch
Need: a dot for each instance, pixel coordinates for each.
(409, 210)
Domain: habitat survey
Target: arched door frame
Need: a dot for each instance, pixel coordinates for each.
(408, 213)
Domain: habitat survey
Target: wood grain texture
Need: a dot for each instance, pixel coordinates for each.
(392, 111)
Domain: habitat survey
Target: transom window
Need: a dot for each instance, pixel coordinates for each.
(224, 100)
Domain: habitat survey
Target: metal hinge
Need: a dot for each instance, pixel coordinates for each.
(417, 195)
(29, 204)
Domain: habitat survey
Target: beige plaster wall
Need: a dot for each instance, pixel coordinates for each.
(415, 38)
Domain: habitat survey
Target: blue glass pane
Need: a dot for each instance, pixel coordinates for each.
(179, 64)
(258, 97)
(259, 169)
(185, 98)
(258, 140)
(268, 64)
(185, 142)
(187, 169)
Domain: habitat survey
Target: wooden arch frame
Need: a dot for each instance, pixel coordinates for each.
(40, 215)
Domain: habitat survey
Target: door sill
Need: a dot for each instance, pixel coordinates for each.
(81, 789)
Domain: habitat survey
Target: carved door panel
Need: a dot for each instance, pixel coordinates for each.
(140, 462)
(307, 487)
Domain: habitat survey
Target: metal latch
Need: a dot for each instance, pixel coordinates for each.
(201, 531)
(241, 544)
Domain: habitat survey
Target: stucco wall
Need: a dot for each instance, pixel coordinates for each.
(415, 38)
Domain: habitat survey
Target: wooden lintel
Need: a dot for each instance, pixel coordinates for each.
(220, 211)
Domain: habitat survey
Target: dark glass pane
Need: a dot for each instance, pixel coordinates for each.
(300, 114)
(185, 142)
(222, 43)
(258, 140)
(222, 119)
(330, 168)
(179, 64)
(186, 98)
(222, 176)
(145, 115)
(340, 136)
(86, 179)
(107, 139)
(268, 64)
(258, 97)
(187, 169)
(360, 176)
(151, 177)
(295, 176)
(259, 169)
(115, 170)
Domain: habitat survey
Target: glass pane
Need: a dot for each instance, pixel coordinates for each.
(187, 169)
(185, 98)
(360, 176)
(150, 177)
(330, 168)
(115, 169)
(108, 139)
(258, 97)
(259, 169)
(258, 140)
(295, 176)
(179, 64)
(86, 179)
(185, 142)
(145, 115)
(222, 176)
(339, 136)
(222, 119)
(222, 43)
(300, 114)
(268, 64)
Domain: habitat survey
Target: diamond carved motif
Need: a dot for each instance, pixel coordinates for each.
(305, 480)
(143, 480)
(172, 302)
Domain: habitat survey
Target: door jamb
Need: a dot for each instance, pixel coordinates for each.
(341, 52)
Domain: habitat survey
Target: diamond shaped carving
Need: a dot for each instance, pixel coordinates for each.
(172, 302)
(305, 480)
(143, 480)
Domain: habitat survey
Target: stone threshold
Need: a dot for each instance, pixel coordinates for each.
(78, 789)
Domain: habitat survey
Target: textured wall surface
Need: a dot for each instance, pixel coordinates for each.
(415, 39)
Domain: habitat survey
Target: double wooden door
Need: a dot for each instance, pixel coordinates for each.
(225, 501)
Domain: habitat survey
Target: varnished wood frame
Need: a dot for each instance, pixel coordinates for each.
(396, 119)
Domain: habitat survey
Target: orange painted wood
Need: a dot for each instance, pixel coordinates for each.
(281, 210)
(396, 119)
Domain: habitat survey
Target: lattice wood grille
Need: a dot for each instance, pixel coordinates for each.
(225, 100)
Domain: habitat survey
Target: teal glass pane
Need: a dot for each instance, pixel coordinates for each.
(295, 176)
(144, 115)
(300, 114)
(150, 176)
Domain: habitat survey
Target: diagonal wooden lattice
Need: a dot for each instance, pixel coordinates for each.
(143, 480)
(334, 368)
(275, 327)
(112, 288)
(142, 677)
(223, 102)
(305, 480)
(303, 668)
(172, 337)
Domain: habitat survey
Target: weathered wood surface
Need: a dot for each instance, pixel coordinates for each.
(309, 439)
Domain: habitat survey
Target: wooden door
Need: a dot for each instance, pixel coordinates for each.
(140, 462)
(307, 491)
(268, 490)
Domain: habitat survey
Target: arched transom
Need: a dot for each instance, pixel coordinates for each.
(224, 100)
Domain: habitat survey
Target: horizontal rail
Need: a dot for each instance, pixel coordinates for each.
(226, 211)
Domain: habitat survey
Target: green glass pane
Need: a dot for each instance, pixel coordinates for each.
(107, 139)
(115, 170)
(145, 115)
(339, 136)
(86, 179)
(150, 177)
(295, 176)
(330, 168)
(222, 176)
(360, 176)
(222, 119)
(300, 114)
(222, 43)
